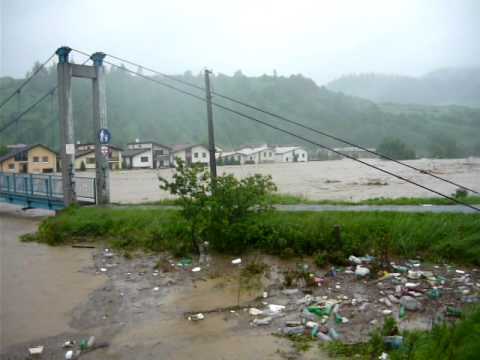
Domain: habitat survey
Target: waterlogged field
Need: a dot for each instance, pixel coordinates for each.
(318, 180)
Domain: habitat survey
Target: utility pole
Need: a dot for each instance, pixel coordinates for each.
(211, 138)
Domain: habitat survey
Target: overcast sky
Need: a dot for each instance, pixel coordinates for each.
(320, 39)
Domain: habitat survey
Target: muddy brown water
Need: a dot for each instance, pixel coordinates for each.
(39, 285)
(46, 292)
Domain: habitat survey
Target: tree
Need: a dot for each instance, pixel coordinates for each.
(444, 147)
(3, 150)
(82, 166)
(396, 149)
(216, 210)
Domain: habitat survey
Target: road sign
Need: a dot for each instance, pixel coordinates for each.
(105, 151)
(104, 136)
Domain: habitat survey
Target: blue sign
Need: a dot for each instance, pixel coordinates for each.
(104, 136)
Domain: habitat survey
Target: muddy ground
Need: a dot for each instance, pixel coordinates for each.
(142, 308)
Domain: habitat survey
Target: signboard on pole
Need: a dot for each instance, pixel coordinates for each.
(104, 136)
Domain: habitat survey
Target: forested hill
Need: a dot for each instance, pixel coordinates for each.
(454, 86)
(138, 108)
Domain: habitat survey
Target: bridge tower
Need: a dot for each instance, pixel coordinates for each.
(65, 72)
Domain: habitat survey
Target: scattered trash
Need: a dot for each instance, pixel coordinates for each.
(185, 262)
(196, 317)
(323, 336)
(293, 323)
(361, 271)
(69, 355)
(103, 269)
(196, 269)
(156, 288)
(311, 324)
(265, 294)
(264, 321)
(255, 312)
(410, 303)
(275, 308)
(460, 271)
(69, 343)
(354, 260)
(387, 312)
(290, 291)
(36, 350)
(236, 261)
(297, 330)
(393, 342)
(453, 311)
(333, 334)
(384, 355)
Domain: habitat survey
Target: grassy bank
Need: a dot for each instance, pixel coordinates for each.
(460, 341)
(453, 237)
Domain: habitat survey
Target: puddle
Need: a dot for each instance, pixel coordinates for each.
(39, 285)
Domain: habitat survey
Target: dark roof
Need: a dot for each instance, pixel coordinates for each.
(180, 147)
(22, 149)
(149, 142)
(85, 152)
(133, 152)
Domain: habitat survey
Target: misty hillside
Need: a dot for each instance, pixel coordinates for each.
(138, 108)
(454, 86)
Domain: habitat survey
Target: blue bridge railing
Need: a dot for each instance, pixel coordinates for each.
(42, 190)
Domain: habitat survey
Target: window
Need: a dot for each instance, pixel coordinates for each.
(161, 152)
(21, 156)
(44, 158)
(195, 155)
(144, 159)
(90, 160)
(11, 166)
(204, 155)
(303, 155)
(269, 154)
(36, 159)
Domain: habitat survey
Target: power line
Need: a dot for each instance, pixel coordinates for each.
(8, 124)
(17, 91)
(50, 92)
(296, 135)
(285, 119)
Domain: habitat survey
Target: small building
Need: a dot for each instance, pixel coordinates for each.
(32, 159)
(147, 154)
(255, 154)
(290, 154)
(85, 154)
(355, 152)
(190, 154)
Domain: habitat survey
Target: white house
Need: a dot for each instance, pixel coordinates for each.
(85, 156)
(251, 155)
(290, 154)
(190, 154)
(147, 154)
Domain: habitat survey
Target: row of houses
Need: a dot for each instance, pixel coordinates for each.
(39, 158)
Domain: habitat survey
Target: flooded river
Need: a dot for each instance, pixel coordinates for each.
(39, 285)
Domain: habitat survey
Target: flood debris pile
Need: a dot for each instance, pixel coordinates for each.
(348, 303)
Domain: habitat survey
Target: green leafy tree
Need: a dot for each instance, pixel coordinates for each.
(83, 167)
(396, 149)
(445, 147)
(3, 150)
(218, 211)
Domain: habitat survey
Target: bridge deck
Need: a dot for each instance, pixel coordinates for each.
(42, 190)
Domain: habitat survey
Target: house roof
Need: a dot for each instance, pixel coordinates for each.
(285, 149)
(149, 142)
(181, 147)
(252, 150)
(85, 152)
(133, 152)
(18, 150)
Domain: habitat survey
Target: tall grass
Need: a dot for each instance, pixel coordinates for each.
(453, 237)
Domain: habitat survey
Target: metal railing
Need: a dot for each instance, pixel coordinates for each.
(48, 187)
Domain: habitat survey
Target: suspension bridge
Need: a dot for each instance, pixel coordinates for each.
(58, 191)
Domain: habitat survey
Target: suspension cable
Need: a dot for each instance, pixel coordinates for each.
(22, 85)
(285, 119)
(296, 135)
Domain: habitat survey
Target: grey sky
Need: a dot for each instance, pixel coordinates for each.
(320, 39)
